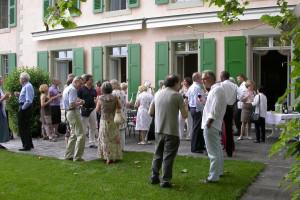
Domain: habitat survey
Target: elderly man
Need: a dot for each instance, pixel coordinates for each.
(166, 105)
(88, 111)
(55, 104)
(231, 97)
(196, 98)
(75, 146)
(212, 119)
(25, 106)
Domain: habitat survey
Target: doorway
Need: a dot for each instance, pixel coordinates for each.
(186, 64)
(271, 71)
(118, 69)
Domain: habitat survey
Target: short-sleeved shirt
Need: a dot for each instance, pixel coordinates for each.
(26, 94)
(192, 95)
(53, 91)
(167, 104)
(88, 95)
(69, 96)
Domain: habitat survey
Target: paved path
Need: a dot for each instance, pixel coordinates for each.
(265, 187)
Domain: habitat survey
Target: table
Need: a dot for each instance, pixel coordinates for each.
(273, 118)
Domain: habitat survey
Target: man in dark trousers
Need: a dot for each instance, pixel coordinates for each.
(166, 105)
(196, 99)
(25, 106)
(231, 97)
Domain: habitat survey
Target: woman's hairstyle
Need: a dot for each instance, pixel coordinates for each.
(123, 86)
(142, 88)
(115, 84)
(106, 88)
(250, 82)
(171, 80)
(210, 74)
(43, 88)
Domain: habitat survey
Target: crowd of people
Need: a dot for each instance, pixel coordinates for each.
(197, 108)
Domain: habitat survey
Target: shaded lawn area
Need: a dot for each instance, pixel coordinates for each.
(30, 177)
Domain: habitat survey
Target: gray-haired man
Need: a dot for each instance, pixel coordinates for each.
(25, 104)
(75, 146)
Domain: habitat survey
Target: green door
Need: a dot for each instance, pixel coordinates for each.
(78, 62)
(235, 55)
(134, 69)
(12, 62)
(43, 60)
(161, 61)
(97, 63)
(208, 54)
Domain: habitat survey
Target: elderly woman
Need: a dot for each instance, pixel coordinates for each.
(47, 129)
(143, 119)
(120, 94)
(247, 100)
(109, 147)
(4, 133)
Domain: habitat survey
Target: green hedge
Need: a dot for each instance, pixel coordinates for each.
(12, 84)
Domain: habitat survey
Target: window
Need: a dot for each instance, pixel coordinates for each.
(3, 14)
(4, 64)
(190, 46)
(114, 5)
(268, 41)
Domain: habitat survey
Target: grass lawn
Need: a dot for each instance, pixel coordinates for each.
(28, 177)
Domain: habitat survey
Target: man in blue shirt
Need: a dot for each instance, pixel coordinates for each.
(25, 104)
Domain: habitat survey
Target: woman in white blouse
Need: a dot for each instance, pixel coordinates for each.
(260, 103)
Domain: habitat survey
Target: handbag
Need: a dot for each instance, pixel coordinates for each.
(255, 116)
(118, 118)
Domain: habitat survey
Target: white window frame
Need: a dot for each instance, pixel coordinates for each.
(185, 4)
(4, 65)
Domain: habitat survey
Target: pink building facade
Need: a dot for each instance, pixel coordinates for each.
(138, 40)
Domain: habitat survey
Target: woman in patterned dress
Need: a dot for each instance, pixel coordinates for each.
(143, 119)
(109, 147)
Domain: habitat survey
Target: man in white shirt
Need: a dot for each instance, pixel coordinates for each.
(242, 89)
(230, 90)
(196, 99)
(212, 119)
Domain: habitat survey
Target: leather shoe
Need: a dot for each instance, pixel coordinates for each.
(165, 185)
(25, 149)
(206, 181)
(154, 181)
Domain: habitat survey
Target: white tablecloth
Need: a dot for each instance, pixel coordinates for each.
(278, 118)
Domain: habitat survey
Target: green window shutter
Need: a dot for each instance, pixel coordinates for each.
(46, 5)
(208, 54)
(98, 6)
(158, 2)
(235, 55)
(133, 3)
(43, 60)
(12, 13)
(134, 69)
(78, 62)
(12, 62)
(97, 63)
(161, 61)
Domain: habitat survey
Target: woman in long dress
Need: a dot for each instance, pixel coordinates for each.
(109, 148)
(4, 131)
(143, 119)
(120, 94)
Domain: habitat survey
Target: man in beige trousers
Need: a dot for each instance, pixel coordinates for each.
(76, 142)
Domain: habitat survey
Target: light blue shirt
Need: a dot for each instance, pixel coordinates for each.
(69, 96)
(26, 95)
(192, 94)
